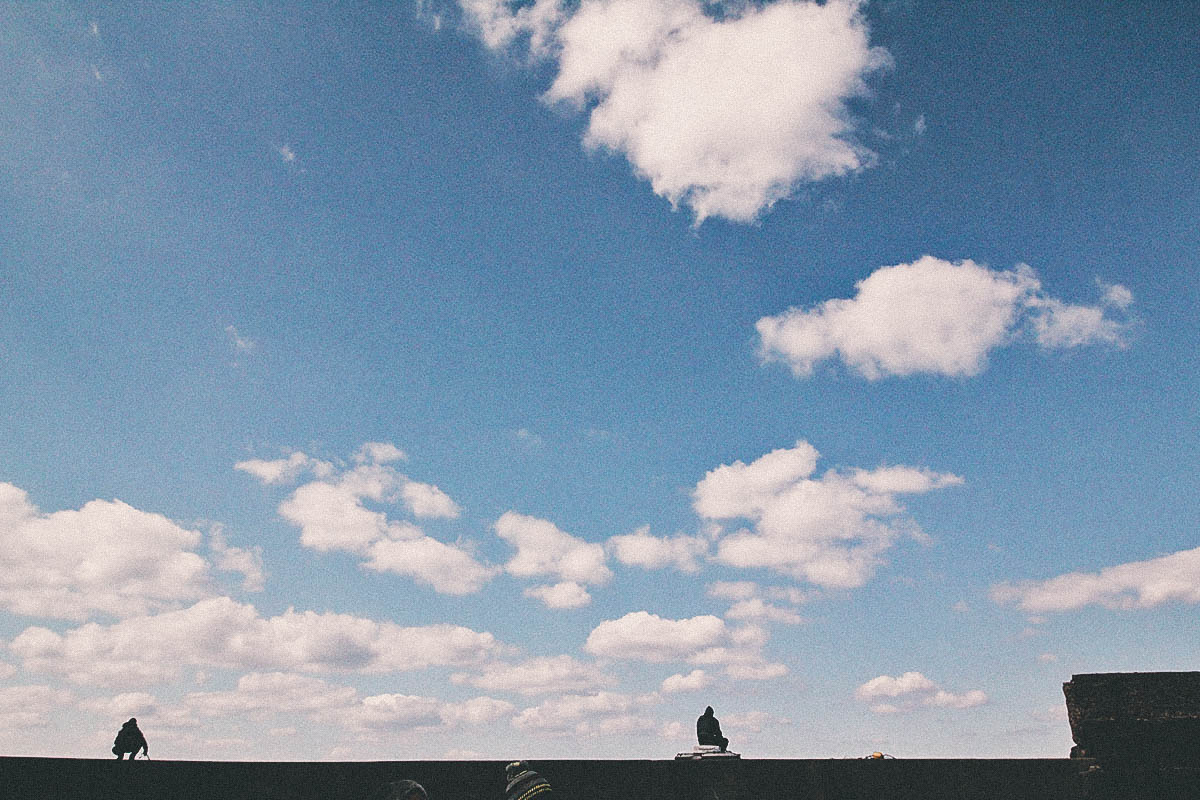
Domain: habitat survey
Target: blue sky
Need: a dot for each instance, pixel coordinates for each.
(484, 379)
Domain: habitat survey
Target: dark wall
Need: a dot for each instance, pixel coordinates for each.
(747, 779)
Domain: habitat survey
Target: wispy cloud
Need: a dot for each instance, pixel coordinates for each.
(890, 695)
(1139, 584)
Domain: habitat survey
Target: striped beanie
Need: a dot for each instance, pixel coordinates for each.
(524, 783)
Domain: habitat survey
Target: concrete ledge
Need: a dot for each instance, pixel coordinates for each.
(744, 779)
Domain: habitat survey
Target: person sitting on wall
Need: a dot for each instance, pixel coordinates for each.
(400, 790)
(130, 740)
(524, 783)
(708, 730)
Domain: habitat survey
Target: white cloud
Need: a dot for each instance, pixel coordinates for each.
(124, 705)
(543, 549)
(286, 153)
(910, 690)
(284, 470)
(756, 609)
(640, 549)
(733, 590)
(28, 706)
(107, 558)
(642, 636)
(7, 670)
(934, 316)
(694, 681)
(586, 715)
(332, 515)
(537, 676)
(272, 693)
(379, 453)
(830, 530)
(243, 344)
(567, 594)
(446, 568)
(427, 500)
(219, 633)
(726, 116)
(753, 721)
(237, 559)
(1139, 584)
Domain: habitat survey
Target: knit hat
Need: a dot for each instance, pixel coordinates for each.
(400, 790)
(524, 783)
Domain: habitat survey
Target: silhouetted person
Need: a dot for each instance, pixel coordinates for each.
(400, 790)
(130, 740)
(524, 783)
(708, 730)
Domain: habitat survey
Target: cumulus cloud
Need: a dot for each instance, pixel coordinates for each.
(284, 470)
(640, 549)
(222, 634)
(587, 715)
(567, 594)
(702, 640)
(545, 550)
(830, 530)
(1139, 584)
(266, 694)
(247, 562)
(727, 114)
(332, 515)
(106, 558)
(448, 569)
(29, 706)
(889, 695)
(936, 316)
(694, 681)
(537, 676)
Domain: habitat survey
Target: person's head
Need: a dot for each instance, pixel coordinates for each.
(401, 790)
(132, 722)
(708, 712)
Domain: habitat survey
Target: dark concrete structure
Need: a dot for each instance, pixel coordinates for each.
(732, 779)
(1142, 730)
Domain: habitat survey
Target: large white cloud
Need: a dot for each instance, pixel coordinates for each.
(935, 316)
(537, 676)
(106, 558)
(726, 115)
(1139, 584)
(219, 633)
(889, 695)
(332, 515)
(830, 530)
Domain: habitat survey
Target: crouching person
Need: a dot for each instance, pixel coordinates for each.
(130, 740)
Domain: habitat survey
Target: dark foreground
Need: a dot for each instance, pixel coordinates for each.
(748, 779)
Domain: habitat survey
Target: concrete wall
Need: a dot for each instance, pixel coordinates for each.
(747, 779)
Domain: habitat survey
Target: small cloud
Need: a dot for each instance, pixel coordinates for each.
(96, 73)
(567, 594)
(94, 28)
(1048, 658)
(243, 344)
(528, 437)
(694, 681)
(286, 153)
(919, 125)
(960, 607)
(891, 695)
